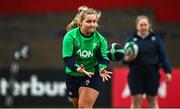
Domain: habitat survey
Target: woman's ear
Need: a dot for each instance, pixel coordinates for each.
(80, 23)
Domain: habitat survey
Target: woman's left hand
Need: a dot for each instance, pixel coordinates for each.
(105, 75)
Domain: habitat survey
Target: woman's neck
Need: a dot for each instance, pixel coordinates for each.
(85, 33)
(143, 35)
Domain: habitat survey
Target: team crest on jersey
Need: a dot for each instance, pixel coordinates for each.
(135, 39)
(153, 38)
(94, 45)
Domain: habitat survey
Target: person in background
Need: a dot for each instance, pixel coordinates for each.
(144, 76)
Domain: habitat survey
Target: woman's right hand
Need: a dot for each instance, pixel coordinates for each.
(81, 69)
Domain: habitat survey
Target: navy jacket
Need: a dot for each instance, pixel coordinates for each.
(151, 53)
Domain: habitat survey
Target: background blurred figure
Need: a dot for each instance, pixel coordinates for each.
(144, 74)
(84, 53)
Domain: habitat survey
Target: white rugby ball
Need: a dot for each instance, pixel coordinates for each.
(132, 49)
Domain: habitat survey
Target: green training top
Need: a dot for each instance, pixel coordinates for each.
(84, 49)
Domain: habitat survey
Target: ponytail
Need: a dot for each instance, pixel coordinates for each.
(82, 10)
(75, 22)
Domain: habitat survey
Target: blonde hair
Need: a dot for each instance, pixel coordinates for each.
(82, 11)
(143, 17)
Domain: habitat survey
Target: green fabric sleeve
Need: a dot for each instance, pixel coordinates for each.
(103, 54)
(67, 48)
